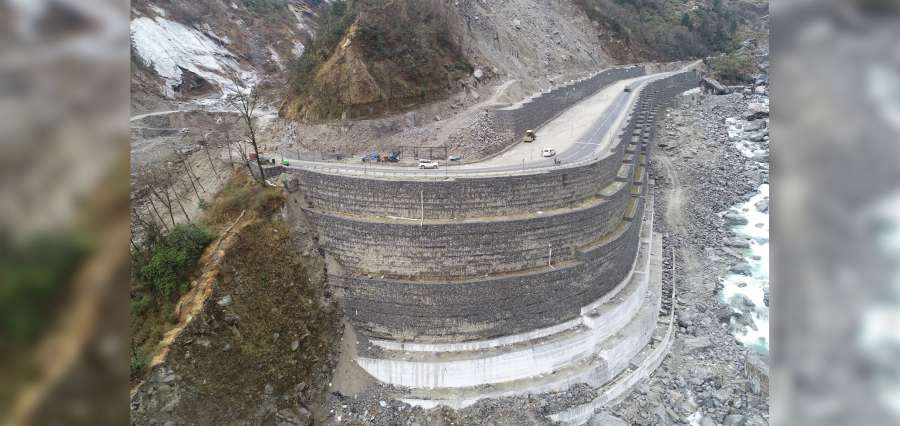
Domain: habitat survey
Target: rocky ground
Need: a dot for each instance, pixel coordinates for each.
(715, 155)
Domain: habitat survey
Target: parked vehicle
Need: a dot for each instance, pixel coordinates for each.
(627, 89)
(428, 164)
(373, 156)
(454, 158)
(548, 152)
(530, 136)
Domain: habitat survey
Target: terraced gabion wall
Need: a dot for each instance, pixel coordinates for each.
(515, 120)
(457, 198)
(473, 247)
(513, 298)
(486, 308)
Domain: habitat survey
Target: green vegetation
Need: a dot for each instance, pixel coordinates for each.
(660, 29)
(161, 273)
(334, 21)
(732, 68)
(402, 53)
(240, 193)
(268, 8)
(172, 258)
(275, 294)
(35, 275)
(417, 42)
(165, 262)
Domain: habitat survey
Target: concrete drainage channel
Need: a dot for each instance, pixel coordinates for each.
(450, 317)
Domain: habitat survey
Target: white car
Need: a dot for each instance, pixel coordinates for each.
(548, 152)
(428, 164)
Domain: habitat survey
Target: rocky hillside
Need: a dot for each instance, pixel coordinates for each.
(392, 53)
(194, 50)
(364, 58)
(656, 30)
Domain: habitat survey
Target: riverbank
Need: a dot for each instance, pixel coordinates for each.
(712, 197)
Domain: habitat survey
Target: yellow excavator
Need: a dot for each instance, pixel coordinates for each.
(529, 136)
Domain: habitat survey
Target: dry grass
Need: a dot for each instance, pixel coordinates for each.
(241, 193)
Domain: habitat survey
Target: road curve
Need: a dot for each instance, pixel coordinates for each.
(591, 143)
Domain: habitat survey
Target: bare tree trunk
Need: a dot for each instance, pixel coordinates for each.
(246, 105)
(163, 222)
(211, 164)
(178, 200)
(191, 172)
(167, 203)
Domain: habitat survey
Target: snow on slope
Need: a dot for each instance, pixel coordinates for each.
(168, 47)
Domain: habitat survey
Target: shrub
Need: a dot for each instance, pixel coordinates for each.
(267, 8)
(173, 259)
(333, 23)
(139, 361)
(654, 27)
(35, 276)
(732, 68)
(241, 192)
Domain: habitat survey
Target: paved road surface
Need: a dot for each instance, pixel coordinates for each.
(582, 132)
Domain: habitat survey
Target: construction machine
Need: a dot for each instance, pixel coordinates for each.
(530, 136)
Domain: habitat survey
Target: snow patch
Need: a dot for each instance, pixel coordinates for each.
(169, 46)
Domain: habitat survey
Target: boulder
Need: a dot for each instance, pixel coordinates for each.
(761, 156)
(756, 371)
(742, 302)
(756, 110)
(685, 318)
(734, 218)
(724, 314)
(754, 125)
(606, 419)
(710, 85)
(735, 420)
(662, 418)
(737, 242)
(762, 206)
(706, 421)
(697, 343)
(757, 136)
(742, 268)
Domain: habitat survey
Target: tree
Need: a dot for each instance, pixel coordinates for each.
(686, 21)
(246, 102)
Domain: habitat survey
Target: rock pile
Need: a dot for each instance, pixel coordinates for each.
(478, 138)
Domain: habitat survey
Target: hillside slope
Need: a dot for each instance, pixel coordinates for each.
(365, 58)
(397, 54)
(193, 50)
